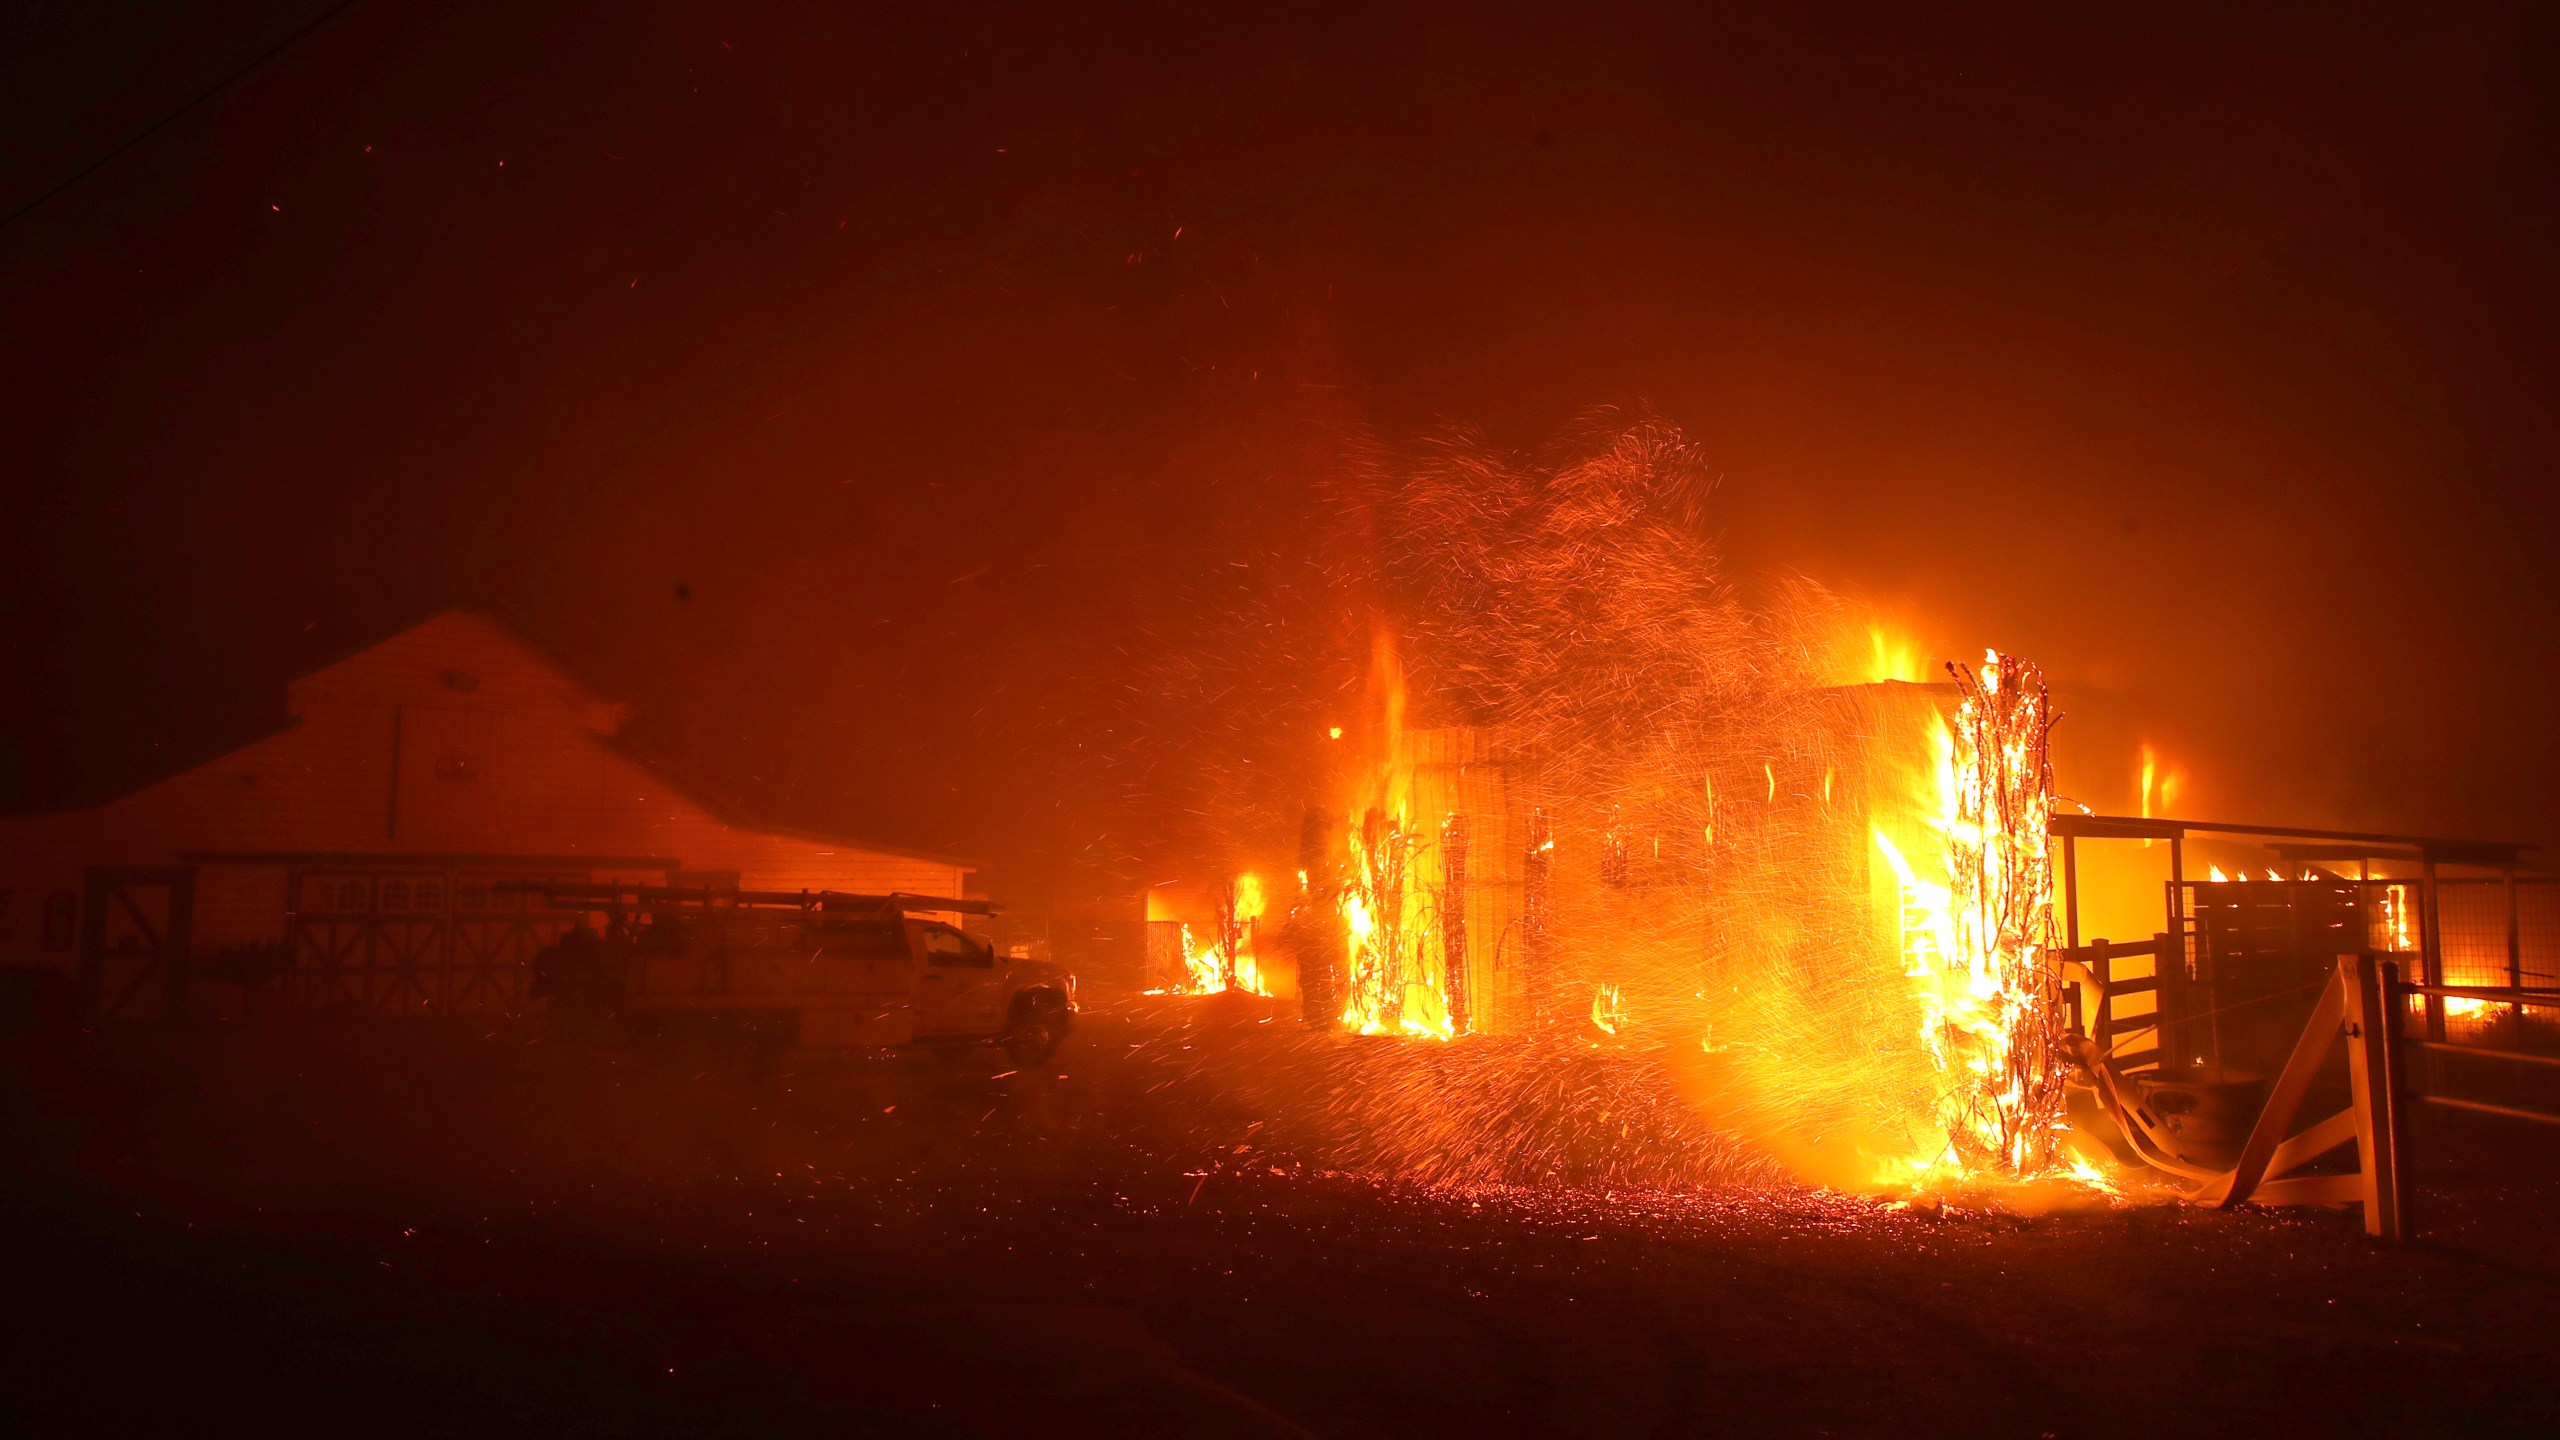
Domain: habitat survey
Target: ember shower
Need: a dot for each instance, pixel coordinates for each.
(1636, 832)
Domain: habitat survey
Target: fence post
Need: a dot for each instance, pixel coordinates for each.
(2515, 949)
(2370, 1034)
(2106, 1028)
(2070, 892)
(2169, 997)
(2395, 1068)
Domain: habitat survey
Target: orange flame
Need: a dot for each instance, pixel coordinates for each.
(1226, 962)
(2160, 785)
(1608, 1008)
(1396, 987)
(1974, 944)
(1894, 656)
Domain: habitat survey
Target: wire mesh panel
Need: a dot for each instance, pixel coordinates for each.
(2538, 929)
(2471, 920)
(416, 942)
(2497, 932)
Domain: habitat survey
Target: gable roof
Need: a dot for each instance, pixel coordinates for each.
(467, 660)
(499, 665)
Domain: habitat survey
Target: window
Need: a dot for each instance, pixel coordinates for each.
(395, 894)
(61, 919)
(946, 946)
(471, 895)
(662, 935)
(860, 939)
(351, 894)
(429, 895)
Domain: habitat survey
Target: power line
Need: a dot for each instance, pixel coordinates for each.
(156, 126)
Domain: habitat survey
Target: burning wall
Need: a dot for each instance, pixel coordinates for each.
(1733, 907)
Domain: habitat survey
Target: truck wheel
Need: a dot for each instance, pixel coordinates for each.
(1036, 1034)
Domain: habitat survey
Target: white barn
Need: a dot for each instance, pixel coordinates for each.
(375, 833)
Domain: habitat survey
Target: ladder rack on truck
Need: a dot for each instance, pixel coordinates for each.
(611, 896)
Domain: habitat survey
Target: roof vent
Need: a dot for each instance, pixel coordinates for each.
(462, 680)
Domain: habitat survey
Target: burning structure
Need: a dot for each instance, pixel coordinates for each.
(1654, 814)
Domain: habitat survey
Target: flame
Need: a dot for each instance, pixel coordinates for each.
(2395, 918)
(1227, 962)
(1974, 945)
(1928, 918)
(1201, 962)
(1884, 651)
(1608, 1009)
(2242, 877)
(2160, 785)
(1395, 984)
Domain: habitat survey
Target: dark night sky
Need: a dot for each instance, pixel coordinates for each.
(951, 357)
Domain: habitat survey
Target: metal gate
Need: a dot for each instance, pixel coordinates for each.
(416, 941)
(133, 942)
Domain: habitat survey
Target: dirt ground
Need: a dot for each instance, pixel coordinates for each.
(443, 1228)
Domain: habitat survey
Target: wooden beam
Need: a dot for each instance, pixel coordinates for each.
(2312, 1190)
(2311, 1144)
(2490, 853)
(2284, 1098)
(2485, 1108)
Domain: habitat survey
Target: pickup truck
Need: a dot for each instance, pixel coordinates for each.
(830, 970)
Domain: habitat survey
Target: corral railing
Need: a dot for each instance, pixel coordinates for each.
(2362, 1006)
